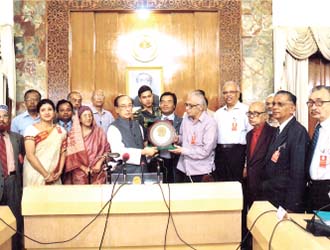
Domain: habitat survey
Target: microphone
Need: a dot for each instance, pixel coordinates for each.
(125, 159)
(113, 155)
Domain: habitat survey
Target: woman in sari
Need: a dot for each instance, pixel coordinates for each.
(87, 149)
(45, 145)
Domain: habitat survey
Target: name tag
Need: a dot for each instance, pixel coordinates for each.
(234, 126)
(323, 161)
(275, 156)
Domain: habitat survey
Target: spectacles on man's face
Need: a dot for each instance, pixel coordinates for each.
(317, 103)
(229, 92)
(190, 106)
(254, 113)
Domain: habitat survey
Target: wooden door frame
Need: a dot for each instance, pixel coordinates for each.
(58, 13)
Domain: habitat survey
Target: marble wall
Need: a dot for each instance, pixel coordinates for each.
(257, 49)
(30, 47)
(257, 75)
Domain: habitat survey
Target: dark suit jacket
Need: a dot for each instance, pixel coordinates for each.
(18, 148)
(285, 180)
(256, 163)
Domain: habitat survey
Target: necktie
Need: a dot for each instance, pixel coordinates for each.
(3, 155)
(314, 139)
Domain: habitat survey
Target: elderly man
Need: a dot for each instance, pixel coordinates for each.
(198, 137)
(126, 135)
(11, 158)
(257, 140)
(284, 179)
(103, 118)
(269, 106)
(319, 151)
(30, 116)
(76, 99)
(233, 126)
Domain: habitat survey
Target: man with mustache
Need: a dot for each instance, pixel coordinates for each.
(319, 150)
(30, 116)
(11, 159)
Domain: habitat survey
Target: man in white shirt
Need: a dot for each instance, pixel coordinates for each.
(233, 126)
(319, 151)
(125, 135)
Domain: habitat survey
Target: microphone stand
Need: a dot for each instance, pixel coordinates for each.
(158, 172)
(124, 172)
(142, 171)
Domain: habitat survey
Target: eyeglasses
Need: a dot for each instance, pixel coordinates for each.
(318, 103)
(280, 104)
(125, 106)
(254, 114)
(190, 106)
(229, 92)
(4, 116)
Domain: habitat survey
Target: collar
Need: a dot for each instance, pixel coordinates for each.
(201, 117)
(237, 106)
(282, 126)
(259, 129)
(326, 123)
(94, 110)
(169, 117)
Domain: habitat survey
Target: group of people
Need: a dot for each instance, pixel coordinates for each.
(262, 146)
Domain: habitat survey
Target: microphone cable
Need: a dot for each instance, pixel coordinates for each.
(252, 226)
(109, 207)
(170, 217)
(75, 235)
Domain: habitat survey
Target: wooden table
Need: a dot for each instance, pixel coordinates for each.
(206, 215)
(287, 235)
(5, 232)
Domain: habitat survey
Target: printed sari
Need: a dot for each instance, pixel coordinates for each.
(85, 151)
(48, 148)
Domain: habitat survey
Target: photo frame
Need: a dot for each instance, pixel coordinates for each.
(139, 76)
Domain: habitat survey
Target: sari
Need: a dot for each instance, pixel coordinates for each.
(85, 151)
(49, 145)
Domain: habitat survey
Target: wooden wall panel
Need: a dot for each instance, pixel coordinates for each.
(82, 53)
(106, 61)
(188, 52)
(207, 56)
(183, 78)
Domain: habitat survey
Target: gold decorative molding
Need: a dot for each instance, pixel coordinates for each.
(58, 33)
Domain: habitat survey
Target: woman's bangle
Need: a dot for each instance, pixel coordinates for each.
(46, 178)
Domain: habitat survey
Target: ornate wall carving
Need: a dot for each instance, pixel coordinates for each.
(58, 33)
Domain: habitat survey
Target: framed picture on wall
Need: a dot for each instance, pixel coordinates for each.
(139, 76)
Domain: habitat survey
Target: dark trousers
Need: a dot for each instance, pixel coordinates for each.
(229, 162)
(318, 196)
(12, 196)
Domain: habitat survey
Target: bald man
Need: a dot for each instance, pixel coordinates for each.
(258, 140)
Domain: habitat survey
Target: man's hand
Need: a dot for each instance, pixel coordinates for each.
(178, 150)
(149, 151)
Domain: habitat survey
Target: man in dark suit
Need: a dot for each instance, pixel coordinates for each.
(257, 140)
(11, 158)
(285, 171)
(167, 107)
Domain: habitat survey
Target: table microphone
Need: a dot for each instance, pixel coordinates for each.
(125, 159)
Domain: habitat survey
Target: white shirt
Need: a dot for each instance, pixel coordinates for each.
(322, 148)
(282, 126)
(117, 146)
(225, 119)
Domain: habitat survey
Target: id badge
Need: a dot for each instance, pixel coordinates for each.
(234, 126)
(193, 139)
(275, 156)
(323, 161)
